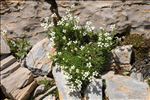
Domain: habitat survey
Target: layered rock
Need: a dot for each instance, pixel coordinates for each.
(125, 88)
(37, 59)
(16, 82)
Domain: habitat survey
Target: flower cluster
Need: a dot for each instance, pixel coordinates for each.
(82, 52)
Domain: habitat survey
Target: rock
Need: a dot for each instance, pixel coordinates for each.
(40, 89)
(49, 97)
(125, 88)
(19, 84)
(37, 59)
(16, 82)
(42, 96)
(25, 18)
(4, 46)
(122, 54)
(94, 90)
(63, 89)
(137, 76)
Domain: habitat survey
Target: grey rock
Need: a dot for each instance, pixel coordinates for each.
(63, 89)
(37, 59)
(5, 49)
(122, 54)
(94, 90)
(125, 88)
(40, 89)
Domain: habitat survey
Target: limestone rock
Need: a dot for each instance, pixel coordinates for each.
(122, 54)
(125, 88)
(94, 90)
(37, 59)
(63, 89)
(4, 46)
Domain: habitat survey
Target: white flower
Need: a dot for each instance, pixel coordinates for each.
(72, 67)
(89, 58)
(4, 32)
(93, 28)
(67, 24)
(72, 6)
(75, 49)
(91, 78)
(86, 74)
(53, 15)
(88, 23)
(107, 34)
(77, 70)
(71, 50)
(75, 42)
(52, 34)
(95, 73)
(51, 25)
(69, 43)
(82, 47)
(109, 38)
(64, 37)
(112, 27)
(89, 65)
(65, 48)
(84, 34)
(48, 55)
(59, 53)
(101, 28)
(64, 31)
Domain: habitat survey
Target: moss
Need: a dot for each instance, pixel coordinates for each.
(48, 83)
(141, 46)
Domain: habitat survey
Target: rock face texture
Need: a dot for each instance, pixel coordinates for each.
(16, 82)
(4, 46)
(94, 90)
(63, 89)
(37, 59)
(129, 17)
(125, 88)
(24, 18)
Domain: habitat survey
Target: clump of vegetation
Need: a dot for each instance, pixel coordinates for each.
(141, 46)
(82, 52)
(19, 47)
(48, 83)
